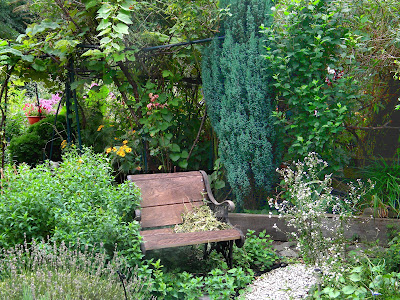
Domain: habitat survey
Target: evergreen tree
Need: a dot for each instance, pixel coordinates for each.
(239, 101)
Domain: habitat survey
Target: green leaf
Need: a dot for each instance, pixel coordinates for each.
(167, 73)
(125, 18)
(28, 58)
(355, 277)
(174, 156)
(91, 4)
(183, 164)
(11, 51)
(168, 117)
(104, 12)
(348, 289)
(164, 126)
(105, 40)
(175, 148)
(184, 154)
(118, 57)
(121, 28)
(174, 102)
(104, 24)
(219, 184)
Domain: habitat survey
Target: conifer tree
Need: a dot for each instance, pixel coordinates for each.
(239, 102)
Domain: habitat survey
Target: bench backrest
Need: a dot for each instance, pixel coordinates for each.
(166, 196)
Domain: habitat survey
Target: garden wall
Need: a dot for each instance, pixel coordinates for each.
(364, 228)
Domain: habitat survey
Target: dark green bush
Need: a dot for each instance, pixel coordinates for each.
(34, 146)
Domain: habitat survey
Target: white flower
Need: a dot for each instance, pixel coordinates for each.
(331, 71)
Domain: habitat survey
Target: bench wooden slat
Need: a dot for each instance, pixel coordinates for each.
(160, 241)
(157, 231)
(165, 215)
(165, 189)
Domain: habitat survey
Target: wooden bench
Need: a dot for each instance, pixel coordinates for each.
(165, 197)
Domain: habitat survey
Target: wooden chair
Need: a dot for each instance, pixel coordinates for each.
(165, 197)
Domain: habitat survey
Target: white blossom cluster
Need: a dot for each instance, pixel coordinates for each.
(309, 199)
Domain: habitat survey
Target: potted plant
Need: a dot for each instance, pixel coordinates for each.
(44, 107)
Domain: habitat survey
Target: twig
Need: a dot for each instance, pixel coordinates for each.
(198, 135)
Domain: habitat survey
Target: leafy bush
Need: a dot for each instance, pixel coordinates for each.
(46, 271)
(75, 203)
(364, 281)
(308, 58)
(34, 146)
(256, 254)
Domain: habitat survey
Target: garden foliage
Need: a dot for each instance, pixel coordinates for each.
(34, 146)
(239, 100)
(308, 200)
(76, 203)
(306, 51)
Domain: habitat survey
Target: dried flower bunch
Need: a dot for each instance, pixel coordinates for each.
(200, 219)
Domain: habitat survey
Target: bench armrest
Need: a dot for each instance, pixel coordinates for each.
(220, 209)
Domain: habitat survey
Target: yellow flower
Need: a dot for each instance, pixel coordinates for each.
(108, 150)
(100, 127)
(63, 144)
(121, 153)
(114, 149)
(80, 161)
(125, 142)
(128, 150)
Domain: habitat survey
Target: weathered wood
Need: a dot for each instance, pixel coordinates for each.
(166, 197)
(174, 188)
(364, 228)
(160, 241)
(157, 216)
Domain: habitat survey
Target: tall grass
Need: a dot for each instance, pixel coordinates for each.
(47, 271)
(386, 177)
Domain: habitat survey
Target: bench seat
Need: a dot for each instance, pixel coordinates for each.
(166, 197)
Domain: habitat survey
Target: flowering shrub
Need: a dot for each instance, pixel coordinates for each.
(44, 108)
(123, 158)
(308, 200)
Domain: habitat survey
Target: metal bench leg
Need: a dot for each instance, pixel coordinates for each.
(225, 248)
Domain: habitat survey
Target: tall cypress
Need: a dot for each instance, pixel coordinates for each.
(239, 102)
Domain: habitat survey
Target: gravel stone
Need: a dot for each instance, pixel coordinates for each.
(291, 282)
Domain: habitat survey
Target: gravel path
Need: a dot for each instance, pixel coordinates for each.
(291, 282)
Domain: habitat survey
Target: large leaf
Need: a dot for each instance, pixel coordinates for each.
(121, 28)
(124, 18)
(174, 156)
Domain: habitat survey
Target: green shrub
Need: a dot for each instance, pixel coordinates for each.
(75, 203)
(314, 89)
(34, 146)
(364, 281)
(256, 254)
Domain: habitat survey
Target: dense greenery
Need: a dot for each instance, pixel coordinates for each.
(239, 101)
(35, 145)
(74, 203)
(310, 78)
